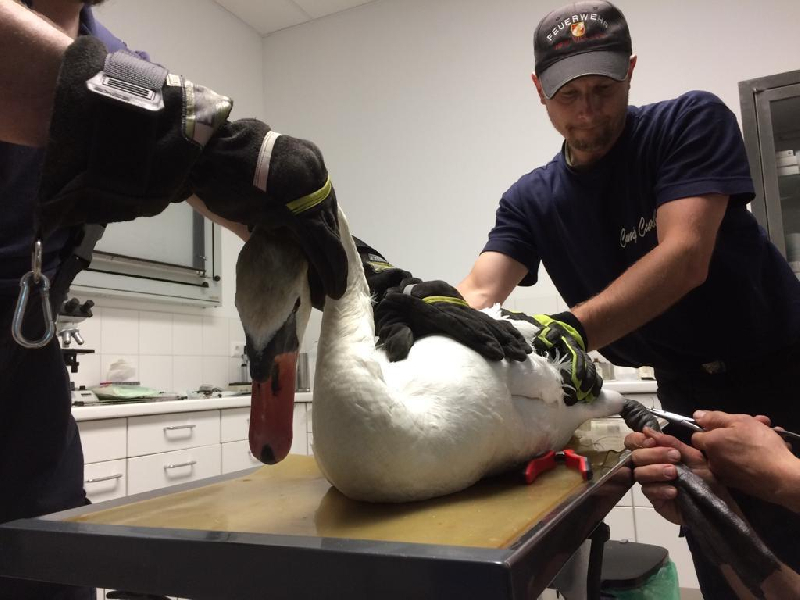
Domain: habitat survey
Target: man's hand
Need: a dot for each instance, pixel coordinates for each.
(655, 456)
(252, 175)
(745, 453)
(414, 310)
(561, 337)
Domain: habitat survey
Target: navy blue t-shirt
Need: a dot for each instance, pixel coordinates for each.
(588, 226)
(20, 171)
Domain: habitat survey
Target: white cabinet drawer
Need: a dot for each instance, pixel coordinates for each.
(235, 424)
(162, 433)
(105, 480)
(236, 456)
(103, 440)
(299, 430)
(171, 468)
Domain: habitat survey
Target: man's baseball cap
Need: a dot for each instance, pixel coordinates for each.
(585, 38)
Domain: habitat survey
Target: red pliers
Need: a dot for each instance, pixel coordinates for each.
(550, 459)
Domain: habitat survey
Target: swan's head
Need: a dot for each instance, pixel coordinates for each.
(274, 304)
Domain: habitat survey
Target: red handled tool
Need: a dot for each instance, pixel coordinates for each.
(550, 459)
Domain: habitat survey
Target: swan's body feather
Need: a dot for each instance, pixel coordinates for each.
(434, 423)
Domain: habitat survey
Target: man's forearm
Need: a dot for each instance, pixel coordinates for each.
(645, 290)
(26, 93)
(789, 486)
(238, 228)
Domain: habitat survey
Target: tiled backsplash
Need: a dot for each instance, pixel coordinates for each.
(177, 352)
(169, 351)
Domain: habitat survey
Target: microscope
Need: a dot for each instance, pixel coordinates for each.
(72, 313)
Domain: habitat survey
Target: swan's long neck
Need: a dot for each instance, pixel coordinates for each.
(349, 320)
(347, 336)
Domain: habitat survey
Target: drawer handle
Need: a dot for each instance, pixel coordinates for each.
(106, 478)
(188, 463)
(175, 427)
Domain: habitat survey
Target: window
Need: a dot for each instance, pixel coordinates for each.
(172, 257)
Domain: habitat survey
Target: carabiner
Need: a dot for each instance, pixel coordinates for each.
(22, 302)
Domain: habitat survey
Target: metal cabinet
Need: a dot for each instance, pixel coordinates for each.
(771, 126)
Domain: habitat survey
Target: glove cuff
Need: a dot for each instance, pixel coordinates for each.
(571, 320)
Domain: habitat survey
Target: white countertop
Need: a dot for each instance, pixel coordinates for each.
(134, 409)
(635, 386)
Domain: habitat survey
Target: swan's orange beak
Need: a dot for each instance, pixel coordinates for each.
(273, 370)
(271, 411)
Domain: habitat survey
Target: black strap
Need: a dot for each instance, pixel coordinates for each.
(76, 261)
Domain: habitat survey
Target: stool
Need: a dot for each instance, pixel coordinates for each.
(630, 565)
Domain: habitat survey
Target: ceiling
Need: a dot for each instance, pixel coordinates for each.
(268, 16)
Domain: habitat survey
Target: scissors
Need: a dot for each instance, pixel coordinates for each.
(690, 423)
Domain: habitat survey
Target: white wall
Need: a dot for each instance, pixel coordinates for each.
(426, 113)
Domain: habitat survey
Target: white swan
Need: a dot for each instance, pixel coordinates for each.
(430, 425)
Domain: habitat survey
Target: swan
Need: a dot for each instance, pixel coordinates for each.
(430, 425)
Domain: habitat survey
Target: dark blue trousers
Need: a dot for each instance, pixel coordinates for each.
(41, 461)
(767, 387)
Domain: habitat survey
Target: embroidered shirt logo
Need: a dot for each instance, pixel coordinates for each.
(643, 227)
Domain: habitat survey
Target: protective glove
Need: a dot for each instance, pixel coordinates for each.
(252, 175)
(414, 310)
(380, 273)
(561, 338)
(124, 134)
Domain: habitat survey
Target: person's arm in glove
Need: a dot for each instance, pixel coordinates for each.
(561, 337)
(124, 134)
(414, 310)
(379, 272)
(252, 175)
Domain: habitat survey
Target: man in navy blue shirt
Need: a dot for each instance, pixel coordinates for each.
(641, 223)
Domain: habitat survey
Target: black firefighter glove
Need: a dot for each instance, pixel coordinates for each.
(379, 272)
(561, 338)
(124, 134)
(255, 176)
(414, 310)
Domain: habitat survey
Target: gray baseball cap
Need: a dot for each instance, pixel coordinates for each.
(584, 38)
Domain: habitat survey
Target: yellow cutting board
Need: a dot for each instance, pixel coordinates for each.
(293, 498)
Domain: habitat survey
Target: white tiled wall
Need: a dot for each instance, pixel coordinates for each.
(171, 352)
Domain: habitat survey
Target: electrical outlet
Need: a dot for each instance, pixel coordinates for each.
(237, 349)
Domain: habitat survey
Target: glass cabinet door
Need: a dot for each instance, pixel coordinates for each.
(778, 118)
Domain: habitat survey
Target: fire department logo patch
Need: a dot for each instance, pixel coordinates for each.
(578, 29)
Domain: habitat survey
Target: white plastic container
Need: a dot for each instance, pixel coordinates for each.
(788, 170)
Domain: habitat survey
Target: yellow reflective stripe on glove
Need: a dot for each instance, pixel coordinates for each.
(447, 299)
(379, 266)
(309, 201)
(545, 321)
